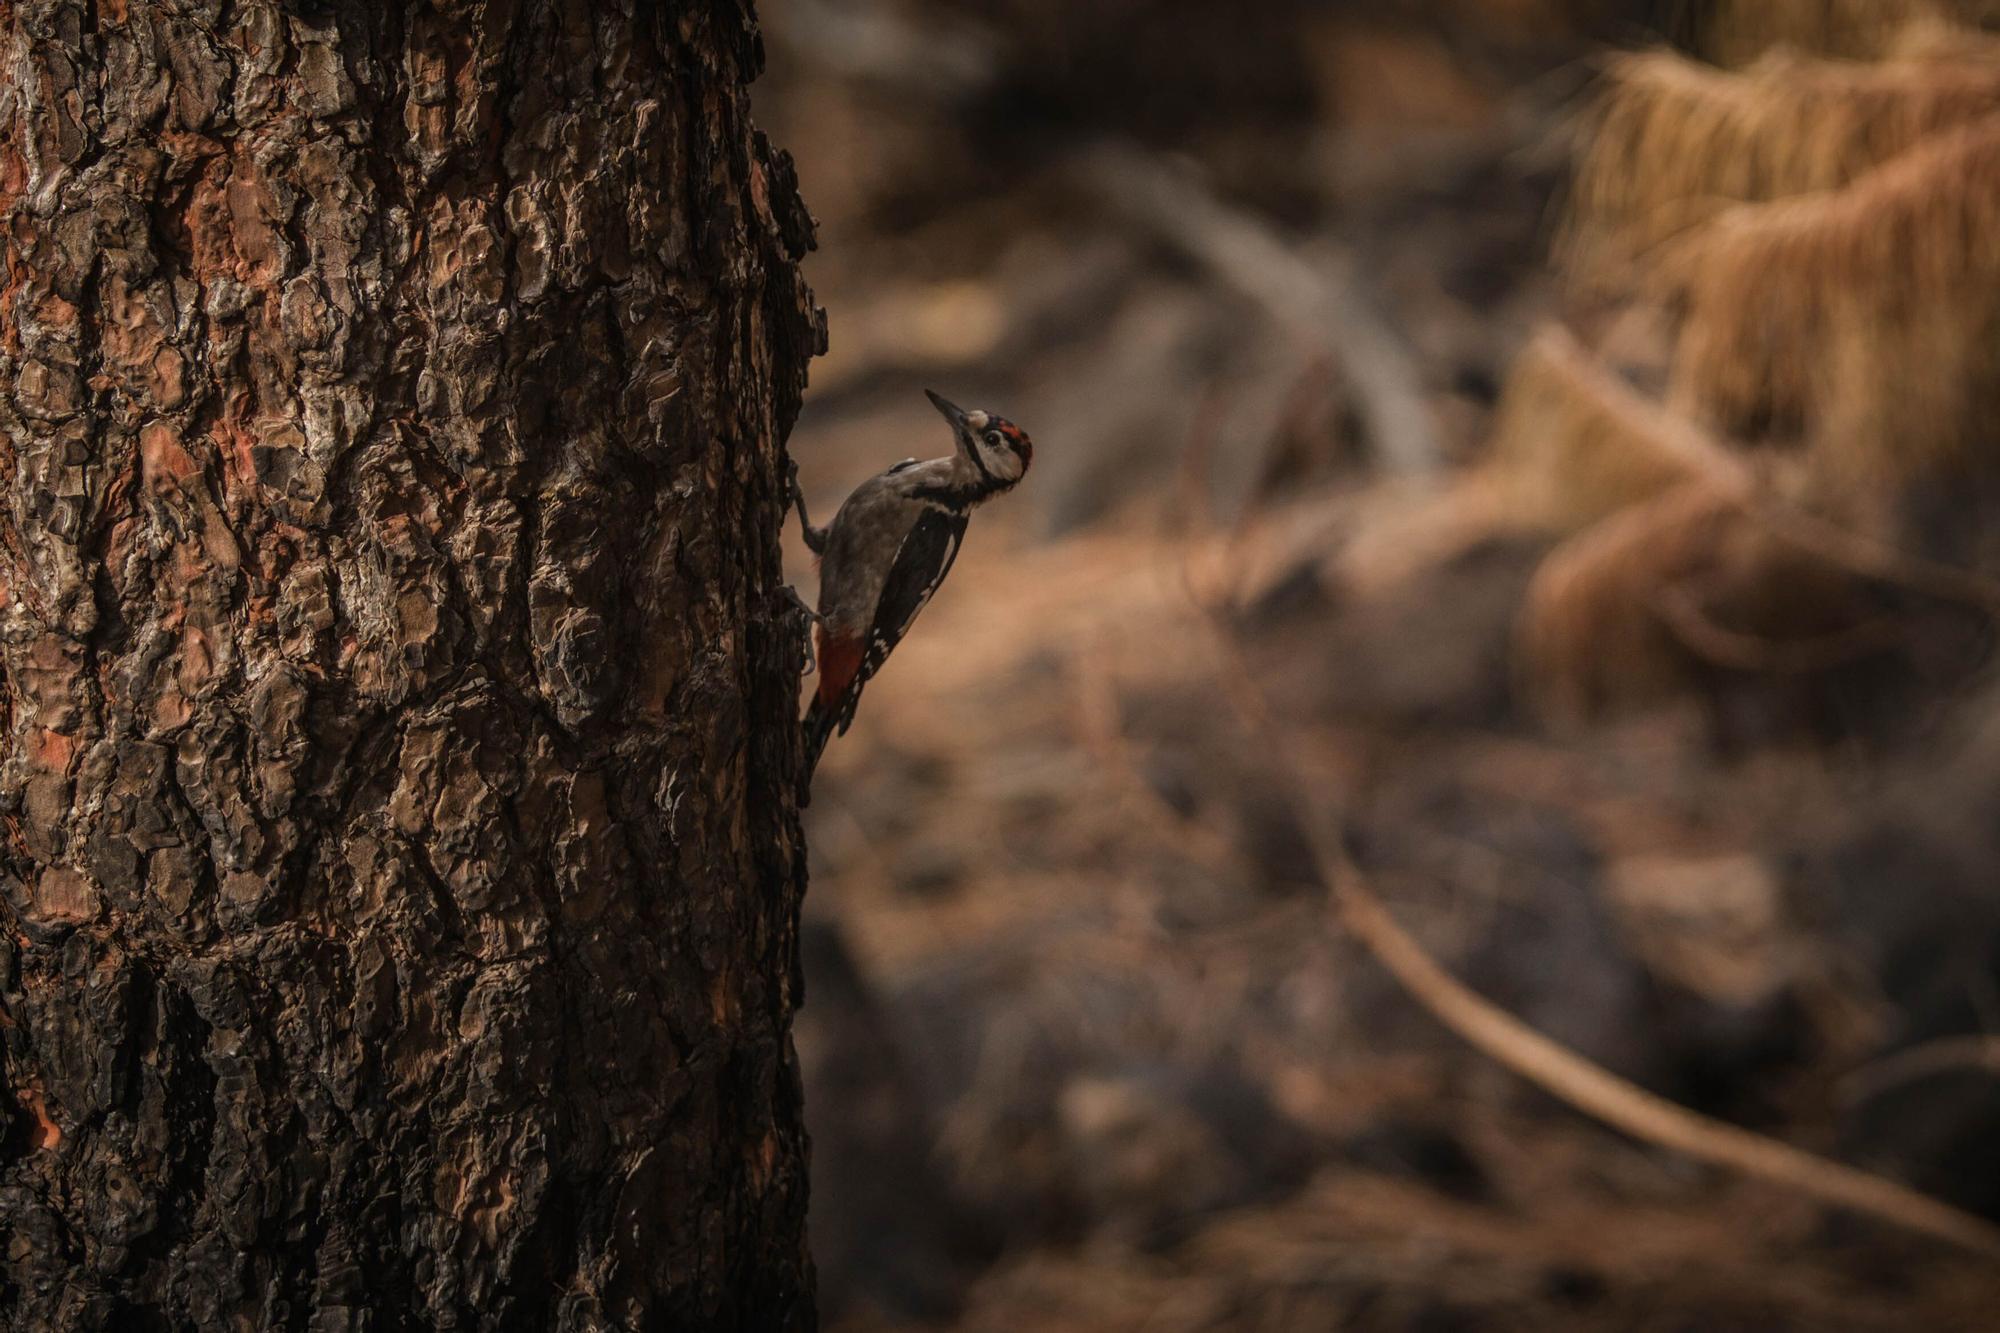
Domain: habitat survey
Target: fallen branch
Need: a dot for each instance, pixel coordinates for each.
(1555, 1068)
(1323, 309)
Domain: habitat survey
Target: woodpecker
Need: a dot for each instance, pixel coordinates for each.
(888, 549)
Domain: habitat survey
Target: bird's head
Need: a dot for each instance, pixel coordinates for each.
(1000, 448)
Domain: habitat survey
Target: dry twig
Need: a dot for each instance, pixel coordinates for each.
(1946, 1055)
(1681, 609)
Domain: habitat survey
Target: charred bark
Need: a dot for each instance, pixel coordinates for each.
(396, 819)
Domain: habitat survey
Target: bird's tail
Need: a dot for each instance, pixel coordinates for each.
(819, 725)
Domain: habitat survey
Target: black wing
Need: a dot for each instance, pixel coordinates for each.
(921, 563)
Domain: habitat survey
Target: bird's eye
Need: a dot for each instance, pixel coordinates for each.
(993, 438)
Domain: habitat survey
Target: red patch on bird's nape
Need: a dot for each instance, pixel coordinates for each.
(839, 662)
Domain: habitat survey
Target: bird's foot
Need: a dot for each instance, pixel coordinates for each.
(808, 658)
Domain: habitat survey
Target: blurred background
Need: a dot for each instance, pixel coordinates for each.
(1572, 421)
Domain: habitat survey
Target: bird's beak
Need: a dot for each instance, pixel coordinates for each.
(952, 412)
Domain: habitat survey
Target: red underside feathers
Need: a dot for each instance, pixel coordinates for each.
(839, 660)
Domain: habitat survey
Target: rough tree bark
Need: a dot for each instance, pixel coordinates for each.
(396, 812)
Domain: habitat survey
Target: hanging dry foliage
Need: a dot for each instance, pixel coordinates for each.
(1833, 274)
(1676, 140)
(1859, 318)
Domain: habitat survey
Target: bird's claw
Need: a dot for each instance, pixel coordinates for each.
(808, 657)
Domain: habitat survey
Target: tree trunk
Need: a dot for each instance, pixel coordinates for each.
(400, 851)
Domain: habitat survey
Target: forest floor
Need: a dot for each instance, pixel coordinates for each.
(1086, 1047)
